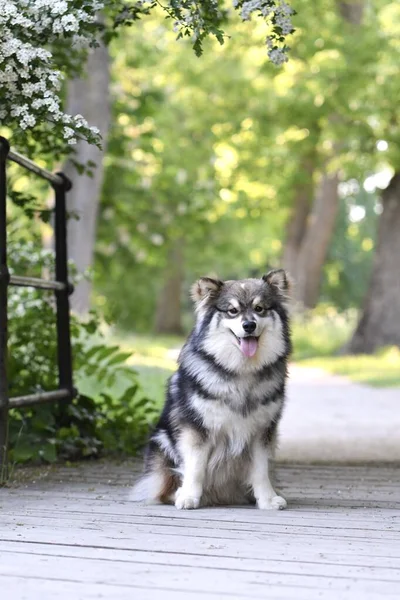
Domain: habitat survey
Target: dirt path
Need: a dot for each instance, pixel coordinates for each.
(330, 419)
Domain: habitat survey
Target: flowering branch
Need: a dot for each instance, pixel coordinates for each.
(34, 31)
(29, 82)
(199, 18)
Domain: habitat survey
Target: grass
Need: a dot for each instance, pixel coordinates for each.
(317, 338)
(154, 358)
(320, 334)
(380, 370)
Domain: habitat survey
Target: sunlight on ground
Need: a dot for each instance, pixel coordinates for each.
(381, 370)
(316, 340)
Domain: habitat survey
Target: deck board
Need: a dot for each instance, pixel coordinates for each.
(73, 531)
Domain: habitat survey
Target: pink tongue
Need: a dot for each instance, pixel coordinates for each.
(248, 346)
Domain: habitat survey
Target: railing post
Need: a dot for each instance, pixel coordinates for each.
(64, 352)
(4, 280)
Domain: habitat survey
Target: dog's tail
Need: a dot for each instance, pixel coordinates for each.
(155, 487)
(147, 488)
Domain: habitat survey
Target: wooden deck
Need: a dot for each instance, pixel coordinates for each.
(73, 533)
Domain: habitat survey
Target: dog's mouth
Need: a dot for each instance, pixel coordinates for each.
(248, 344)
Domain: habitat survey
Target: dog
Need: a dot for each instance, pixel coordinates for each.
(218, 429)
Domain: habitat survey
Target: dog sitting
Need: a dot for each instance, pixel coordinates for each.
(217, 432)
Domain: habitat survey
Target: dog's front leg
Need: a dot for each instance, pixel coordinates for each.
(264, 493)
(194, 452)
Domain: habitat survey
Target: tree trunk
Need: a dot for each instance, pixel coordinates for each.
(297, 224)
(352, 12)
(315, 245)
(379, 324)
(313, 248)
(88, 96)
(168, 314)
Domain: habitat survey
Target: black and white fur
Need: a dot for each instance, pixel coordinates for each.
(217, 431)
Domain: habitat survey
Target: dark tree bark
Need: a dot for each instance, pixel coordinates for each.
(168, 313)
(89, 97)
(297, 224)
(352, 12)
(315, 244)
(379, 324)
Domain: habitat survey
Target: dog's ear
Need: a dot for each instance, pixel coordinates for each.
(279, 280)
(205, 289)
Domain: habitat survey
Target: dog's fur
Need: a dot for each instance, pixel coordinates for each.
(217, 431)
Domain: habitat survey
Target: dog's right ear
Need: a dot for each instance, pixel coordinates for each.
(206, 289)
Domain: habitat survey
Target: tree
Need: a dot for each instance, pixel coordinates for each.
(215, 152)
(87, 95)
(31, 74)
(168, 317)
(30, 93)
(312, 224)
(168, 160)
(379, 324)
(380, 316)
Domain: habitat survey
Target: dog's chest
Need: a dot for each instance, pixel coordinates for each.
(229, 427)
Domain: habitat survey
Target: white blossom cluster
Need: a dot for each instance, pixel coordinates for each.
(29, 83)
(276, 12)
(195, 17)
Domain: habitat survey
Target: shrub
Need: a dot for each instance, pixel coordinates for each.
(109, 413)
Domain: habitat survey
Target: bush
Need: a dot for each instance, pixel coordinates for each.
(322, 331)
(110, 413)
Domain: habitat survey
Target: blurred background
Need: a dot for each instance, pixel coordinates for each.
(221, 164)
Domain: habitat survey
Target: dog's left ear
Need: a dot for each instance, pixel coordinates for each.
(206, 288)
(279, 280)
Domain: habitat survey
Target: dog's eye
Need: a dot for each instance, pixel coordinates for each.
(233, 311)
(259, 309)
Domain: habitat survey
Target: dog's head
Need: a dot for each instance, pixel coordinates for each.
(245, 322)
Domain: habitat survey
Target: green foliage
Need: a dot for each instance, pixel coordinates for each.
(200, 19)
(209, 155)
(110, 412)
(171, 174)
(349, 263)
(319, 338)
(381, 369)
(56, 45)
(321, 332)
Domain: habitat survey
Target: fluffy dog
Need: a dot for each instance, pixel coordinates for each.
(217, 432)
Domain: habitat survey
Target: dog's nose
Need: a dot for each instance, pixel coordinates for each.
(249, 326)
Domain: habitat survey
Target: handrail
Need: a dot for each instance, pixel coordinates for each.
(60, 285)
(28, 164)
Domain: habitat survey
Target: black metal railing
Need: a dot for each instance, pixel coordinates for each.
(61, 286)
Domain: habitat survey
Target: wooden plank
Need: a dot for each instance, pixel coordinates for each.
(244, 584)
(266, 524)
(24, 588)
(322, 565)
(48, 503)
(308, 500)
(74, 531)
(265, 532)
(201, 544)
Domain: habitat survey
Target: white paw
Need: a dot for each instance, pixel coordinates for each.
(272, 503)
(184, 500)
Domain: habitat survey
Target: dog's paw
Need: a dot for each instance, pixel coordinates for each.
(184, 500)
(272, 503)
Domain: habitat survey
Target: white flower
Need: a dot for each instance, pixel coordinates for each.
(277, 56)
(157, 239)
(278, 14)
(68, 132)
(29, 82)
(59, 8)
